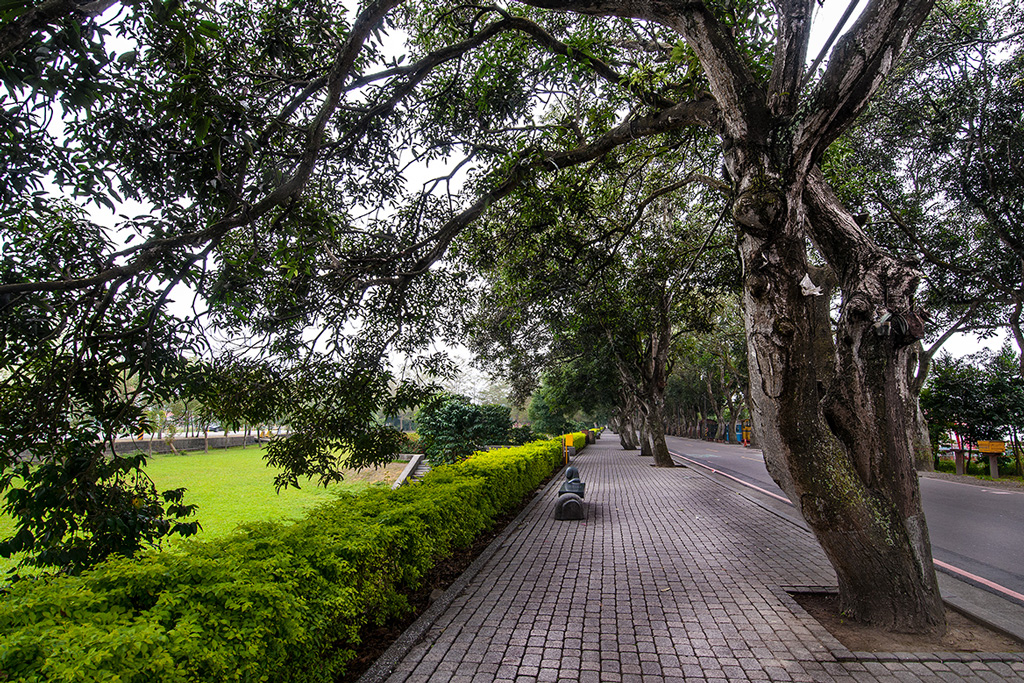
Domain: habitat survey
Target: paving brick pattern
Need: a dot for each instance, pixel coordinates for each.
(670, 578)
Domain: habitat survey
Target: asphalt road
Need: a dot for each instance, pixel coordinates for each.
(975, 530)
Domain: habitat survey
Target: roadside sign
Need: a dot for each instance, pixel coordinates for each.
(992, 446)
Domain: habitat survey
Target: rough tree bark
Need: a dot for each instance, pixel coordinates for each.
(918, 364)
(838, 441)
(652, 392)
(654, 435)
(623, 425)
(836, 438)
(645, 441)
(833, 423)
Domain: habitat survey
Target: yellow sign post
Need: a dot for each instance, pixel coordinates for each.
(993, 449)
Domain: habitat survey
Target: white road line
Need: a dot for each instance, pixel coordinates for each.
(729, 476)
(998, 492)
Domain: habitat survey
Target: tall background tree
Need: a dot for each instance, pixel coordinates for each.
(934, 167)
(628, 262)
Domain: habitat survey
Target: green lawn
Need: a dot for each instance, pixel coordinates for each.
(232, 486)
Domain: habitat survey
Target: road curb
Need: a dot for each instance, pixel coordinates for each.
(984, 606)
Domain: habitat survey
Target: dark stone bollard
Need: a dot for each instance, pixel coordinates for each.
(570, 496)
(569, 506)
(572, 483)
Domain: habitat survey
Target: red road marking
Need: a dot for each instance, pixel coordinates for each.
(939, 563)
(982, 581)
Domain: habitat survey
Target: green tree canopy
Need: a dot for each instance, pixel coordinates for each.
(271, 142)
(934, 166)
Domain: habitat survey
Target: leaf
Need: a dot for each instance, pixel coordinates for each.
(190, 49)
(12, 7)
(203, 129)
(209, 29)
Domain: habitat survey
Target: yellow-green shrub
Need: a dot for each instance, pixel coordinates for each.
(270, 602)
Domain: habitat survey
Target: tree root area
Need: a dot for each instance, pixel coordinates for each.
(963, 634)
(375, 640)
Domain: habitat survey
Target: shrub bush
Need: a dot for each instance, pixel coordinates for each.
(452, 427)
(413, 443)
(270, 602)
(520, 435)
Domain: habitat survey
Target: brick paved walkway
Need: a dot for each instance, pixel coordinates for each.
(670, 578)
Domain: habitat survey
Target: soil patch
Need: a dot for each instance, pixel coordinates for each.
(963, 634)
(375, 640)
(372, 475)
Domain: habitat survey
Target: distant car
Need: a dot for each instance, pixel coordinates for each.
(216, 428)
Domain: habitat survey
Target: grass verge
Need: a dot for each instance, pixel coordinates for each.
(233, 486)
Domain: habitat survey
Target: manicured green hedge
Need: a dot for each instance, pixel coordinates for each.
(270, 602)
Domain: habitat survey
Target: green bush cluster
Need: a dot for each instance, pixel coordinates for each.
(520, 435)
(452, 427)
(270, 602)
(413, 443)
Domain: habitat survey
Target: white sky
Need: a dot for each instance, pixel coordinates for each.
(965, 344)
(825, 19)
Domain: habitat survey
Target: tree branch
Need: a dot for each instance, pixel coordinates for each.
(738, 93)
(50, 13)
(701, 112)
(790, 55)
(860, 61)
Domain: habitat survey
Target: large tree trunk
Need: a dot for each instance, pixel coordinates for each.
(645, 442)
(627, 433)
(837, 439)
(653, 433)
(655, 382)
(919, 363)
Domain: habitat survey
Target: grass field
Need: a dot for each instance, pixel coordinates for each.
(234, 485)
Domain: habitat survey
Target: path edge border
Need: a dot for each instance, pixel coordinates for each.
(385, 665)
